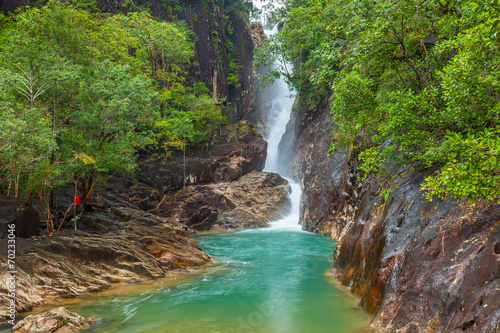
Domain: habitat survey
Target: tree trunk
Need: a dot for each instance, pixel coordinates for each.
(16, 185)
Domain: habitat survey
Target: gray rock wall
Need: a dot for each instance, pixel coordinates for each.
(418, 266)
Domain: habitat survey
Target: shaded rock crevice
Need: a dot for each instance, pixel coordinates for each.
(16, 213)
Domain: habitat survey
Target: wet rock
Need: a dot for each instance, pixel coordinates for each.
(212, 59)
(25, 218)
(208, 22)
(424, 263)
(326, 194)
(244, 39)
(418, 266)
(250, 202)
(57, 320)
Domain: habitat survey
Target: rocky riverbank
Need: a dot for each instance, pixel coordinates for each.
(419, 266)
(119, 244)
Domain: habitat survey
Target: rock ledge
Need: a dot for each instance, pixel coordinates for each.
(57, 320)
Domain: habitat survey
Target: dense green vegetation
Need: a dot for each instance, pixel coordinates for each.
(81, 91)
(417, 82)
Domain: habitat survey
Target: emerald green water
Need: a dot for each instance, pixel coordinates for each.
(267, 281)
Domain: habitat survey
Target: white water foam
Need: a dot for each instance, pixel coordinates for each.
(291, 221)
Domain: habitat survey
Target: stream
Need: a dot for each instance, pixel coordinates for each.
(268, 281)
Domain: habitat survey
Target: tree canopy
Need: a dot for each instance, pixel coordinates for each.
(81, 91)
(418, 80)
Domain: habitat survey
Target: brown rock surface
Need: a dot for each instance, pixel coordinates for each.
(250, 202)
(121, 244)
(419, 266)
(213, 30)
(258, 35)
(57, 320)
(242, 94)
(326, 200)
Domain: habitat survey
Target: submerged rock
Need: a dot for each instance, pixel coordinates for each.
(250, 202)
(57, 320)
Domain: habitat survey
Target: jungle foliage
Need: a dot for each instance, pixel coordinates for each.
(418, 80)
(81, 91)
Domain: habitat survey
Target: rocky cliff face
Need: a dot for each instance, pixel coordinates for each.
(418, 266)
(421, 266)
(326, 197)
(244, 39)
(224, 48)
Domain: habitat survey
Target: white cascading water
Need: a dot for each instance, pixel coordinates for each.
(278, 117)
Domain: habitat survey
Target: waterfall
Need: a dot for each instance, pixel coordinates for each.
(278, 117)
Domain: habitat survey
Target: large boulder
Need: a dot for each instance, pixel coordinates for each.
(57, 320)
(250, 202)
(25, 218)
